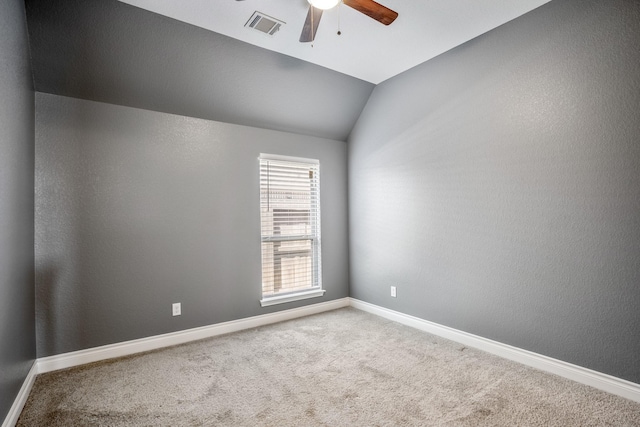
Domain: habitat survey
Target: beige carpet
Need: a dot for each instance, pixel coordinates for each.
(341, 368)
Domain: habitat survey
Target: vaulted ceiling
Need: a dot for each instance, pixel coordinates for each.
(110, 51)
(365, 48)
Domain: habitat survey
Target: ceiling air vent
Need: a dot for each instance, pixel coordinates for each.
(264, 23)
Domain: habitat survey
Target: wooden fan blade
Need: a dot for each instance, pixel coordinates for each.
(309, 33)
(373, 10)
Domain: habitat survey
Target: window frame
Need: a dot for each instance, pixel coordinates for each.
(316, 289)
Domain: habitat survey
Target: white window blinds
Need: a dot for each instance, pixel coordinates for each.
(290, 226)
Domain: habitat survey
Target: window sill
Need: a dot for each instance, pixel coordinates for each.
(281, 299)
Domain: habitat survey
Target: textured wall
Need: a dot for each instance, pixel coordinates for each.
(108, 51)
(17, 332)
(498, 187)
(137, 209)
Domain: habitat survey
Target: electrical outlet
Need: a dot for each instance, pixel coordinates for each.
(177, 308)
(393, 291)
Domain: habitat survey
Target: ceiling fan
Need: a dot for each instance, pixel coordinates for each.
(370, 8)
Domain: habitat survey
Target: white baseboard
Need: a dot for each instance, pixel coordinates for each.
(81, 357)
(604, 382)
(14, 412)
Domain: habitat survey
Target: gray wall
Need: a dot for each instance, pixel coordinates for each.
(498, 187)
(109, 51)
(137, 209)
(17, 333)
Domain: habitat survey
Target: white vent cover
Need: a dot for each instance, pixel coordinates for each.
(264, 23)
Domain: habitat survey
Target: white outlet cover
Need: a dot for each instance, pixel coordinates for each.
(177, 309)
(393, 291)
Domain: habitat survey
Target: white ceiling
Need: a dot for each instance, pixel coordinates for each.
(366, 49)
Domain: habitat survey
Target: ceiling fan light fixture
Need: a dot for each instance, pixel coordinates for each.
(324, 4)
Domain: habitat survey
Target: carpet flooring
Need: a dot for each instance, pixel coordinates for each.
(340, 368)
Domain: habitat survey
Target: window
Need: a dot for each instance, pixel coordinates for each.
(290, 229)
